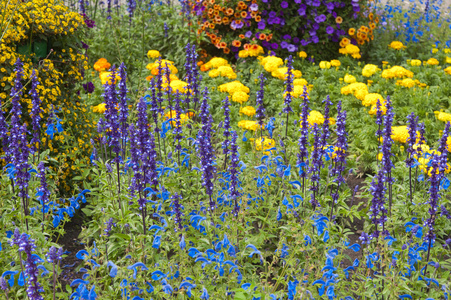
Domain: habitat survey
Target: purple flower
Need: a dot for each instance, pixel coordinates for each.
(253, 7)
(226, 142)
(321, 18)
(315, 167)
(291, 48)
(284, 4)
(248, 34)
(260, 113)
(111, 115)
(88, 87)
(177, 211)
(108, 227)
(123, 105)
(302, 162)
(330, 30)
(43, 192)
(434, 196)
(289, 87)
(412, 128)
(54, 255)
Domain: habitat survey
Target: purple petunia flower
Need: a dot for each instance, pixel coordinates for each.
(321, 18)
(284, 4)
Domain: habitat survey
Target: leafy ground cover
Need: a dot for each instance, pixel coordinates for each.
(254, 176)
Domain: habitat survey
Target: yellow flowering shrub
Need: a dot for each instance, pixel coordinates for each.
(442, 116)
(432, 61)
(232, 87)
(371, 99)
(32, 22)
(271, 63)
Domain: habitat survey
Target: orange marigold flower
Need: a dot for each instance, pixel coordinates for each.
(102, 65)
(262, 36)
(338, 20)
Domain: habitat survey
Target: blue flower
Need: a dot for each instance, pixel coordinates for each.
(113, 271)
(135, 267)
(255, 251)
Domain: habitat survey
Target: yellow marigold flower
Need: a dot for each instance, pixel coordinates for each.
(226, 71)
(240, 97)
(349, 79)
(314, 117)
(99, 108)
(248, 111)
(383, 108)
(106, 77)
(448, 70)
(371, 99)
(300, 81)
(271, 63)
(406, 82)
(335, 63)
(351, 49)
(448, 60)
(248, 125)
(232, 87)
(442, 116)
(434, 50)
(396, 72)
(353, 87)
(432, 61)
(179, 86)
(397, 45)
(302, 54)
(324, 64)
(379, 156)
(217, 62)
(369, 70)
(298, 91)
(101, 65)
(281, 73)
(264, 143)
(153, 54)
(400, 134)
(213, 73)
(415, 62)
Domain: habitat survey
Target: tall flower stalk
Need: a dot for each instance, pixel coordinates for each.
(387, 164)
(178, 126)
(412, 128)
(288, 92)
(226, 132)
(303, 140)
(233, 170)
(43, 192)
(35, 112)
(123, 106)
(260, 113)
(315, 167)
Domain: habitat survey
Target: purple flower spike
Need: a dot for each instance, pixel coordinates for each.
(35, 111)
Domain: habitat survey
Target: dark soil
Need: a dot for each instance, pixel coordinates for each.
(70, 242)
(357, 225)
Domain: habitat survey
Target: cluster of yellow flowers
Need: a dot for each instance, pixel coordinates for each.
(371, 99)
(281, 73)
(396, 72)
(35, 18)
(409, 83)
(263, 144)
(327, 65)
(271, 63)
(169, 80)
(352, 50)
(173, 114)
(223, 71)
(252, 50)
(238, 91)
(447, 70)
(215, 62)
(442, 116)
(248, 111)
(315, 117)
(248, 125)
(423, 155)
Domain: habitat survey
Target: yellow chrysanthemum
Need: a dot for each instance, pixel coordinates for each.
(271, 63)
(448, 70)
(406, 82)
(353, 87)
(179, 86)
(415, 62)
(232, 87)
(300, 81)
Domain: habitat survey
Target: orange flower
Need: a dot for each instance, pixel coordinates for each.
(237, 16)
(372, 25)
(212, 26)
(370, 16)
(236, 43)
(243, 14)
(229, 11)
(269, 37)
(225, 20)
(222, 44)
(338, 20)
(241, 36)
(246, 46)
(351, 31)
(262, 36)
(212, 1)
(258, 19)
(226, 50)
(102, 65)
